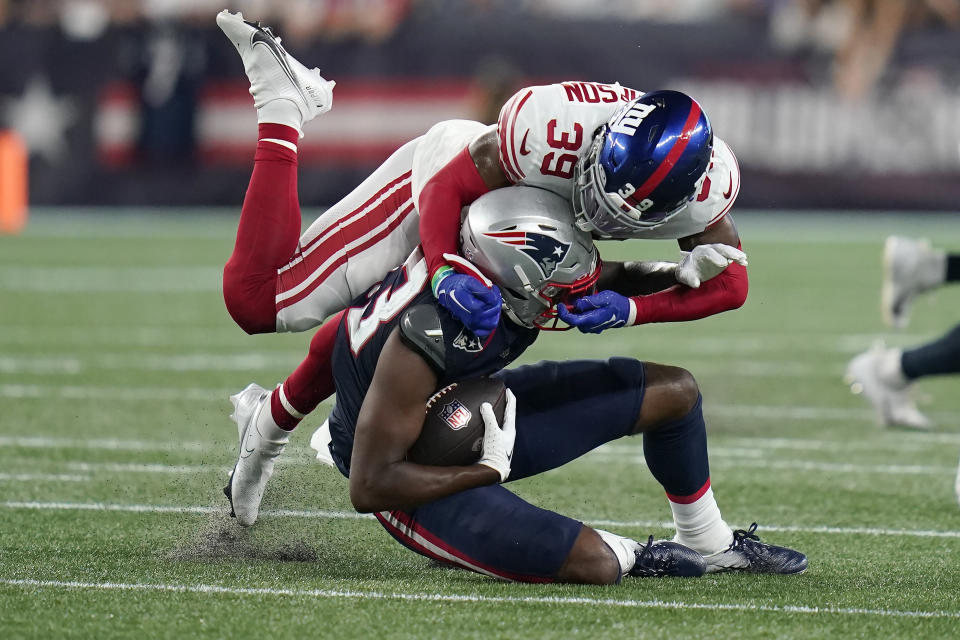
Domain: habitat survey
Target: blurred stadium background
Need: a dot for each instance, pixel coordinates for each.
(827, 103)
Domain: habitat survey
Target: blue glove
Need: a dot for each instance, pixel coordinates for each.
(593, 314)
(470, 301)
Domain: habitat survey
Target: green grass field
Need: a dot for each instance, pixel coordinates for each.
(117, 357)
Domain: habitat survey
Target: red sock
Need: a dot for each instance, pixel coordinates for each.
(268, 234)
(311, 383)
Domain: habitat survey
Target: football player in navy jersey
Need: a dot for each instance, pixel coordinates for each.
(397, 345)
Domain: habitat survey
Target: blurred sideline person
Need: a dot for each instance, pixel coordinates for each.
(397, 345)
(884, 375)
(633, 165)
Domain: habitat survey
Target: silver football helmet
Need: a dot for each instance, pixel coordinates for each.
(525, 240)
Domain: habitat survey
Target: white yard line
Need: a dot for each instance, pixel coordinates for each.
(737, 447)
(108, 444)
(132, 467)
(158, 508)
(456, 598)
(78, 364)
(728, 461)
(720, 458)
(42, 477)
(351, 515)
(71, 392)
(115, 336)
(739, 342)
(103, 279)
(711, 409)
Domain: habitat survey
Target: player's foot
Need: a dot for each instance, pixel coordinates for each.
(746, 553)
(909, 267)
(273, 73)
(876, 374)
(260, 444)
(660, 559)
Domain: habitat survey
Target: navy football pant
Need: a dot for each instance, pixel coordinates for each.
(564, 410)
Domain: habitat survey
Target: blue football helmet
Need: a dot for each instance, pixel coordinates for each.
(645, 165)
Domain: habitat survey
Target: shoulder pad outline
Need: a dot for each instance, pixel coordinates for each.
(420, 329)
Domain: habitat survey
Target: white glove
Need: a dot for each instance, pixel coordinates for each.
(497, 441)
(707, 261)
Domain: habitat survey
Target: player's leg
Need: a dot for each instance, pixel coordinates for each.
(351, 246)
(939, 357)
(286, 95)
(492, 531)
(557, 408)
(911, 267)
(266, 418)
(880, 376)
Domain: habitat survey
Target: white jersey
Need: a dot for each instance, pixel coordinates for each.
(543, 132)
(438, 146)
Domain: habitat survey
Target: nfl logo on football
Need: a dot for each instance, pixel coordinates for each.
(455, 414)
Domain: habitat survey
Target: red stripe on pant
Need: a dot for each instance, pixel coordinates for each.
(465, 561)
(305, 269)
(335, 239)
(379, 194)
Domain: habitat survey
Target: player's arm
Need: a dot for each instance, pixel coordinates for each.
(389, 422)
(715, 270)
(719, 249)
(471, 173)
(711, 278)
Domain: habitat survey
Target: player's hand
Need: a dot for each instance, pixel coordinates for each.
(707, 261)
(498, 440)
(597, 312)
(475, 305)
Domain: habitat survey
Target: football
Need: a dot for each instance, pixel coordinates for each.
(453, 427)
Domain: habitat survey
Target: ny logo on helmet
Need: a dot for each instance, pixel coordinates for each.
(630, 120)
(546, 251)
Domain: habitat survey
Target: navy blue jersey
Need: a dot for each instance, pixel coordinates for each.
(403, 301)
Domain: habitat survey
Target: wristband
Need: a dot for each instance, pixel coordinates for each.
(439, 275)
(632, 316)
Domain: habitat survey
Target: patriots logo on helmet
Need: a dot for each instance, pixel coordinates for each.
(455, 415)
(546, 251)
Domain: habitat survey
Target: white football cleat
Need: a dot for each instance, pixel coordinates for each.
(273, 73)
(910, 267)
(261, 441)
(876, 374)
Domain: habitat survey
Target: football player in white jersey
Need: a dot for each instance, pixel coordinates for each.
(634, 165)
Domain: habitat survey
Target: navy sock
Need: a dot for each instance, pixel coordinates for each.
(676, 454)
(953, 267)
(934, 358)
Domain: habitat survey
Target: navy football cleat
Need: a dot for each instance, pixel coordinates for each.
(660, 559)
(746, 553)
